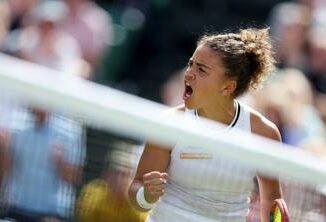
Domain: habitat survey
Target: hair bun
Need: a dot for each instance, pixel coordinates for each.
(258, 48)
(256, 40)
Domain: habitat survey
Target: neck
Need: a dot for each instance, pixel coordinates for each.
(222, 111)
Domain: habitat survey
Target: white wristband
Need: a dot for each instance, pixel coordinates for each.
(140, 197)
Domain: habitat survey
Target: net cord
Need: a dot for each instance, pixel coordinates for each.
(136, 117)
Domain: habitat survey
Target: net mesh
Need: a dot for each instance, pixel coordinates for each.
(70, 148)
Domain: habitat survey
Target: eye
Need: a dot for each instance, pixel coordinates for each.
(190, 63)
(201, 69)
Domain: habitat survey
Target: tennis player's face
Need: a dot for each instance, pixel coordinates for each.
(204, 79)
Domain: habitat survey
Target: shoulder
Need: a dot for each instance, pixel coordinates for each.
(260, 125)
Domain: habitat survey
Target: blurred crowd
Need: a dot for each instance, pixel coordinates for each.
(69, 36)
(43, 154)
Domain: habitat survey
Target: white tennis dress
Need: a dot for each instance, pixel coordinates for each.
(203, 187)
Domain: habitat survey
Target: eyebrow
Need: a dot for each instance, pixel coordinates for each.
(200, 64)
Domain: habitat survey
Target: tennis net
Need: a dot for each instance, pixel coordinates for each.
(85, 158)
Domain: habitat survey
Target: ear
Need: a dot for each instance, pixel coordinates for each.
(229, 87)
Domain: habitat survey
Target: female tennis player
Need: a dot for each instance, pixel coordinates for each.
(188, 184)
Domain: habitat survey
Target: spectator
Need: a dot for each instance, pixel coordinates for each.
(303, 122)
(317, 58)
(19, 8)
(45, 160)
(91, 26)
(4, 20)
(289, 24)
(299, 122)
(43, 43)
(106, 198)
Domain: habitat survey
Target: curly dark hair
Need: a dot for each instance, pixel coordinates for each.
(247, 56)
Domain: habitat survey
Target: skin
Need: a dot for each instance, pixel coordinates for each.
(213, 98)
(4, 161)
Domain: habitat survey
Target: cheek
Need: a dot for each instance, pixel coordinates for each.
(210, 88)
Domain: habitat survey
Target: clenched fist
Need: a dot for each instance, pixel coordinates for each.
(154, 185)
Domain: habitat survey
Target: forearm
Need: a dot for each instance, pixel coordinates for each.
(151, 174)
(2, 168)
(4, 162)
(70, 173)
(2, 165)
(270, 190)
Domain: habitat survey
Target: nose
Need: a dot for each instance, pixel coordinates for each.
(189, 75)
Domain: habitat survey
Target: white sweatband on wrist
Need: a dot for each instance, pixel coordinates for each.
(140, 197)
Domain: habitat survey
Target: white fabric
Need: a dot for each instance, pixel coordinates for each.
(203, 187)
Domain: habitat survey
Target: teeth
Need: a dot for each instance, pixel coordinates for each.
(187, 84)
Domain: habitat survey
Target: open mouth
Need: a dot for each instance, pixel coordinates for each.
(188, 91)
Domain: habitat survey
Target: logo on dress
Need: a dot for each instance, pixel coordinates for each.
(195, 156)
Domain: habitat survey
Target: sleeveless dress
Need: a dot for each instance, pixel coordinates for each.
(203, 187)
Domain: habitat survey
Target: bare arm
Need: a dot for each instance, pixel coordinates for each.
(152, 168)
(4, 156)
(151, 171)
(269, 188)
(69, 172)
